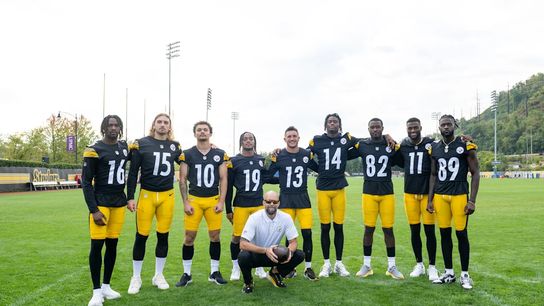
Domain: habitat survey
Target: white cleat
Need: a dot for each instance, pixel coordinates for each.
(110, 294)
(97, 299)
(235, 274)
(433, 273)
(419, 270)
(466, 282)
(159, 281)
(260, 273)
(340, 269)
(135, 285)
(326, 270)
(365, 271)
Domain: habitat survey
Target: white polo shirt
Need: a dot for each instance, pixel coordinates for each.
(264, 232)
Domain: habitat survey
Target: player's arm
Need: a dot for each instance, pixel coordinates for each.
(230, 191)
(312, 164)
(353, 152)
(183, 170)
(474, 168)
(432, 182)
(223, 186)
(132, 179)
(90, 163)
(272, 170)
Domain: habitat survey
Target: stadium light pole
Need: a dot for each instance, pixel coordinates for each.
(234, 116)
(75, 117)
(172, 51)
(208, 102)
(494, 108)
(436, 116)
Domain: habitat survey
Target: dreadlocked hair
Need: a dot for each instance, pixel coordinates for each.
(333, 115)
(242, 139)
(106, 122)
(450, 117)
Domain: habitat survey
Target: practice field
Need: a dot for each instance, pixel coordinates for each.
(44, 245)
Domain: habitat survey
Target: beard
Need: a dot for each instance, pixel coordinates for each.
(446, 133)
(271, 210)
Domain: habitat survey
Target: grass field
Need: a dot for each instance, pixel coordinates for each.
(44, 245)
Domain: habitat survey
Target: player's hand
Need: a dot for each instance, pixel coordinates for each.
(466, 138)
(99, 218)
(131, 205)
(470, 208)
(219, 207)
(271, 255)
(390, 141)
(288, 258)
(213, 146)
(189, 210)
(430, 207)
(229, 217)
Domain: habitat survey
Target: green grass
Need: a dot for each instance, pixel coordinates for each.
(44, 244)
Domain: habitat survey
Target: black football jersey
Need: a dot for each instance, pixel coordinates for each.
(332, 156)
(377, 158)
(155, 160)
(203, 170)
(293, 177)
(247, 174)
(416, 161)
(105, 164)
(451, 166)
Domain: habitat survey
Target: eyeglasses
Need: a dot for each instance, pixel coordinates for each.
(271, 201)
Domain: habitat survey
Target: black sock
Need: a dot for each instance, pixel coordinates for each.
(95, 261)
(325, 240)
(187, 252)
(431, 242)
(234, 250)
(339, 240)
(109, 258)
(307, 245)
(215, 250)
(416, 241)
(161, 250)
(367, 250)
(390, 251)
(464, 248)
(138, 251)
(447, 247)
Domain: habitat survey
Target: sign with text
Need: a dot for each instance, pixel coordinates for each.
(70, 143)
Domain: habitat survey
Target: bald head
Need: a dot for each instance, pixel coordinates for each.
(271, 196)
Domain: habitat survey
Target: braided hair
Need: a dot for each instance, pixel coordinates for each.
(242, 140)
(106, 122)
(455, 123)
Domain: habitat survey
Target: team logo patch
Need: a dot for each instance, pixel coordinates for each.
(161, 146)
(173, 147)
(261, 163)
(125, 152)
(388, 149)
(116, 152)
(343, 141)
(216, 158)
(305, 159)
(428, 146)
(460, 150)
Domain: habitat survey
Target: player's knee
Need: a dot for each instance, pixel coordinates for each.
(297, 257)
(338, 227)
(325, 227)
(462, 235)
(190, 237)
(244, 258)
(139, 247)
(306, 234)
(214, 235)
(369, 230)
(111, 243)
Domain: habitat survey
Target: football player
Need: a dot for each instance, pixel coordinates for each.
(414, 157)
(247, 173)
(104, 163)
(206, 170)
(378, 197)
(331, 149)
(154, 157)
(293, 162)
(449, 195)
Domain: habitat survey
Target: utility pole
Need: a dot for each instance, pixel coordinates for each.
(234, 116)
(172, 51)
(209, 102)
(126, 114)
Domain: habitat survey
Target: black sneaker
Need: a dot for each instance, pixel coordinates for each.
(248, 288)
(445, 279)
(217, 278)
(276, 279)
(310, 274)
(185, 280)
(292, 274)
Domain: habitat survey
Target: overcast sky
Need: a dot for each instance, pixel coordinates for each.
(277, 63)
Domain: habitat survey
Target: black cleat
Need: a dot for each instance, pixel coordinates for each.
(185, 280)
(276, 279)
(217, 278)
(310, 274)
(248, 288)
